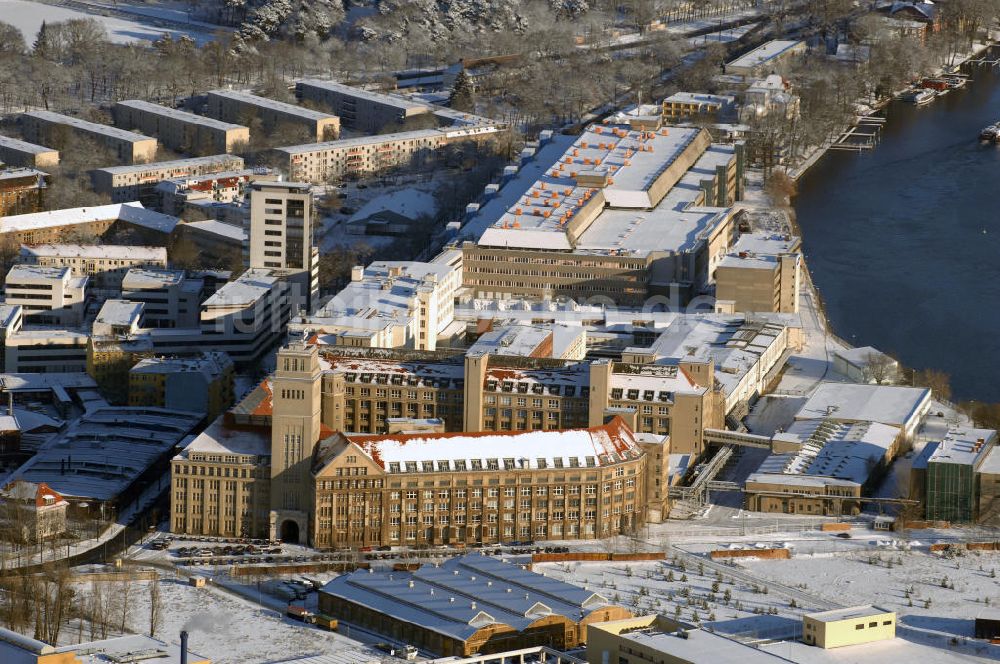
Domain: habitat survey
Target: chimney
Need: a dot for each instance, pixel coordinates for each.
(358, 273)
(184, 647)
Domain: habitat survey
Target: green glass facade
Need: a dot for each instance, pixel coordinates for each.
(952, 492)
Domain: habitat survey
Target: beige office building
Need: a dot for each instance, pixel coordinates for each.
(761, 273)
(50, 128)
(179, 130)
(243, 108)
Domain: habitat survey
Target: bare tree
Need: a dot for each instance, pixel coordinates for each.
(124, 594)
(878, 367)
(155, 606)
(939, 382)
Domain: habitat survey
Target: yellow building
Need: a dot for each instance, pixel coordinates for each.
(656, 639)
(848, 627)
(203, 383)
(686, 105)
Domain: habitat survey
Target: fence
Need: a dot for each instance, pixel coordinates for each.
(583, 556)
(767, 554)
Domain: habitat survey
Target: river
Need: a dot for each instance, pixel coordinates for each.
(903, 241)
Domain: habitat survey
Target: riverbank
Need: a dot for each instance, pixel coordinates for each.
(901, 242)
(865, 109)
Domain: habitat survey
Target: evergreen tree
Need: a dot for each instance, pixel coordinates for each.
(42, 47)
(463, 96)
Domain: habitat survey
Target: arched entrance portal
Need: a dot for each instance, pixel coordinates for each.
(290, 532)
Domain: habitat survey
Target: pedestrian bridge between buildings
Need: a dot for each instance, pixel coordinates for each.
(740, 438)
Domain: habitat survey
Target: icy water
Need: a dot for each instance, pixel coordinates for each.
(903, 241)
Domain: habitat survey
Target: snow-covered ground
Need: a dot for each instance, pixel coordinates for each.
(225, 628)
(27, 17)
(768, 597)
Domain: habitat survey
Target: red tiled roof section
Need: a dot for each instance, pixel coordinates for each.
(266, 406)
(43, 491)
(21, 490)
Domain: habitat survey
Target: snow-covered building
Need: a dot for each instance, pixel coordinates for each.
(745, 351)
(688, 105)
(313, 396)
(561, 342)
(48, 295)
(180, 130)
(237, 106)
(903, 407)
(822, 467)
(32, 511)
(769, 96)
(54, 225)
(390, 304)
(104, 264)
(471, 604)
(136, 444)
(395, 215)
(14, 152)
(138, 182)
(359, 109)
(760, 273)
(765, 58)
(622, 212)
(128, 147)
(955, 476)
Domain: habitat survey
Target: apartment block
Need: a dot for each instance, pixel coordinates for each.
(765, 58)
(180, 130)
(46, 294)
(367, 155)
(21, 190)
(760, 273)
(203, 383)
(55, 226)
(14, 152)
(244, 108)
(183, 194)
(138, 182)
(104, 264)
(51, 128)
(358, 109)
